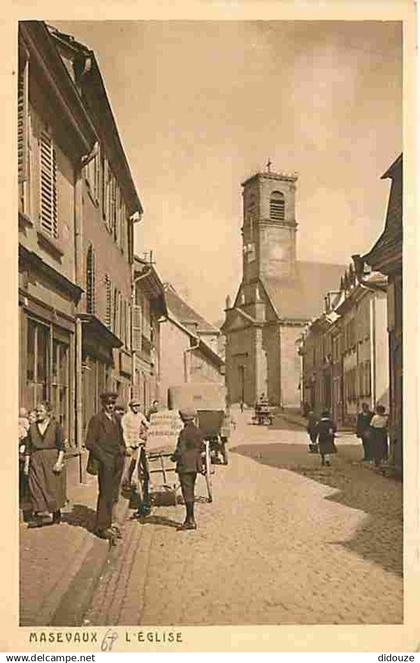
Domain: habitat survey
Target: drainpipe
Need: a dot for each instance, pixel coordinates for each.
(191, 349)
(79, 400)
(134, 281)
(78, 266)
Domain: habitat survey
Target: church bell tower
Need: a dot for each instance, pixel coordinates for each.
(269, 226)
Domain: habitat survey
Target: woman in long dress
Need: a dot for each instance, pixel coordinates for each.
(379, 433)
(44, 465)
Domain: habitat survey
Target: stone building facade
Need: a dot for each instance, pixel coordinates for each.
(54, 134)
(148, 308)
(77, 207)
(277, 297)
(344, 351)
(386, 256)
(186, 352)
(108, 206)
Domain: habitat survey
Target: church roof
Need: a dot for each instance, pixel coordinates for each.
(185, 314)
(303, 298)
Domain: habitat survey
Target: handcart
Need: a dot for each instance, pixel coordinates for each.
(158, 464)
(209, 400)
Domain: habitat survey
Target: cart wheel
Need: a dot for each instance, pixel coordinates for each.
(208, 469)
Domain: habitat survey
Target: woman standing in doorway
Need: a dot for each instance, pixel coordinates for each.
(44, 465)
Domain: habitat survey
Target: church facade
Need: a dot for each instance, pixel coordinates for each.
(277, 297)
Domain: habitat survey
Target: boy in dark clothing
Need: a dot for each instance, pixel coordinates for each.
(188, 460)
(326, 430)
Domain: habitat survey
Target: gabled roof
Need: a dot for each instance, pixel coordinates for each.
(105, 121)
(303, 298)
(64, 100)
(148, 280)
(185, 314)
(387, 250)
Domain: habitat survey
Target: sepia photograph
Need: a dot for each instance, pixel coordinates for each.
(210, 265)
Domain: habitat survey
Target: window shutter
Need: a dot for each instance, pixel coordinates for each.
(90, 280)
(97, 169)
(113, 205)
(48, 202)
(104, 186)
(122, 242)
(121, 316)
(108, 302)
(23, 123)
(115, 311)
(127, 326)
(117, 215)
(136, 328)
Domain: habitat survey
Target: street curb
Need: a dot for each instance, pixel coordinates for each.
(73, 603)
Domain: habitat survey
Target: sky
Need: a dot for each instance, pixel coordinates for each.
(201, 106)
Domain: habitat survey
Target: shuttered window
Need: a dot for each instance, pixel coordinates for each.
(136, 328)
(128, 326)
(123, 228)
(23, 122)
(117, 214)
(90, 280)
(277, 206)
(108, 317)
(48, 185)
(115, 325)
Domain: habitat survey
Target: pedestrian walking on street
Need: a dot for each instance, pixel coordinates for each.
(135, 425)
(379, 435)
(105, 442)
(188, 460)
(312, 430)
(326, 430)
(363, 431)
(44, 466)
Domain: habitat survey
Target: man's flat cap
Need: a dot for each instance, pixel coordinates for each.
(188, 414)
(108, 397)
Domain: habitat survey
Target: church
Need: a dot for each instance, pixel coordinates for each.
(277, 297)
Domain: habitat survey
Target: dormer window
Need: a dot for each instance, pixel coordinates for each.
(277, 206)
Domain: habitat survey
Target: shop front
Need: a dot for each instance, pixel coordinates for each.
(47, 341)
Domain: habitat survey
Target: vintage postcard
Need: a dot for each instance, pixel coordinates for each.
(210, 328)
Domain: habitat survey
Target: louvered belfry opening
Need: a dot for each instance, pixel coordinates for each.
(48, 202)
(90, 281)
(277, 206)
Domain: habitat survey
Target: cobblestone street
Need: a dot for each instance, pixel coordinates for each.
(284, 542)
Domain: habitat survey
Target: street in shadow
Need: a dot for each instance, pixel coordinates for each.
(80, 516)
(380, 538)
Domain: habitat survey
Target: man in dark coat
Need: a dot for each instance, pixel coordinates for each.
(188, 460)
(363, 431)
(106, 443)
